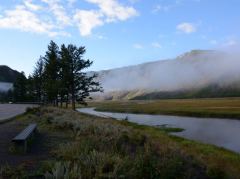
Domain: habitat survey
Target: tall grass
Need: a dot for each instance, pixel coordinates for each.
(104, 148)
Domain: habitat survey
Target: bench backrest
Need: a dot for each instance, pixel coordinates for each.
(26, 132)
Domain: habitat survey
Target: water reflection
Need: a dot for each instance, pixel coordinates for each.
(220, 132)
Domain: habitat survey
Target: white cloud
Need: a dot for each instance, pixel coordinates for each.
(59, 12)
(159, 7)
(169, 6)
(230, 43)
(137, 46)
(156, 45)
(87, 20)
(213, 42)
(31, 6)
(166, 6)
(109, 11)
(52, 17)
(22, 19)
(101, 37)
(186, 27)
(113, 10)
(71, 2)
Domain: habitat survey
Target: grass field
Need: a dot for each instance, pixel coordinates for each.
(219, 107)
(105, 148)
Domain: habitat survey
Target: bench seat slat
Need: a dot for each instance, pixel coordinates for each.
(25, 133)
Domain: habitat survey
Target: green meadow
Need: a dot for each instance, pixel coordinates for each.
(214, 107)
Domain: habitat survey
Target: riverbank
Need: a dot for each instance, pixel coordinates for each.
(92, 147)
(219, 132)
(207, 108)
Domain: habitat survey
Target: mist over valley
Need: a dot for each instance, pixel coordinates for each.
(192, 71)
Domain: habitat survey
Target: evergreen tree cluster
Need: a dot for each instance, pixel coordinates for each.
(58, 78)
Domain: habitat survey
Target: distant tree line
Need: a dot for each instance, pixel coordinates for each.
(58, 78)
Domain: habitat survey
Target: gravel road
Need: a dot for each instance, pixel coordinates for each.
(10, 110)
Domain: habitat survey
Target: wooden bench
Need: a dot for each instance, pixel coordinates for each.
(25, 137)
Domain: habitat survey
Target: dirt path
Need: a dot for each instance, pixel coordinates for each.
(10, 110)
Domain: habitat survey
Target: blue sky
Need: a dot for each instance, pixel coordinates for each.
(115, 32)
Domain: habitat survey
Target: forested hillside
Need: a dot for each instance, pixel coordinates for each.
(7, 74)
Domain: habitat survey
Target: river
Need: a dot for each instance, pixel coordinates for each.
(220, 132)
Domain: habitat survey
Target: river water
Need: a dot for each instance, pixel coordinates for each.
(220, 132)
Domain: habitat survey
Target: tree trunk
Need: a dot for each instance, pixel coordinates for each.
(73, 89)
(61, 102)
(73, 102)
(73, 98)
(67, 102)
(57, 101)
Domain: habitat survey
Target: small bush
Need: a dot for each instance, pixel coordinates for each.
(11, 172)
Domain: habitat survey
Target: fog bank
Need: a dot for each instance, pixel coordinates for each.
(4, 87)
(195, 69)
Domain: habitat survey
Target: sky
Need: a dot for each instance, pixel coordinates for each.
(115, 33)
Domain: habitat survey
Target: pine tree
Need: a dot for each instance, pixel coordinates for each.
(51, 73)
(38, 80)
(30, 87)
(65, 74)
(60, 74)
(78, 83)
(20, 88)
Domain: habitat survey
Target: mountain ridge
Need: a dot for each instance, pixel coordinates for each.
(7, 74)
(7, 77)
